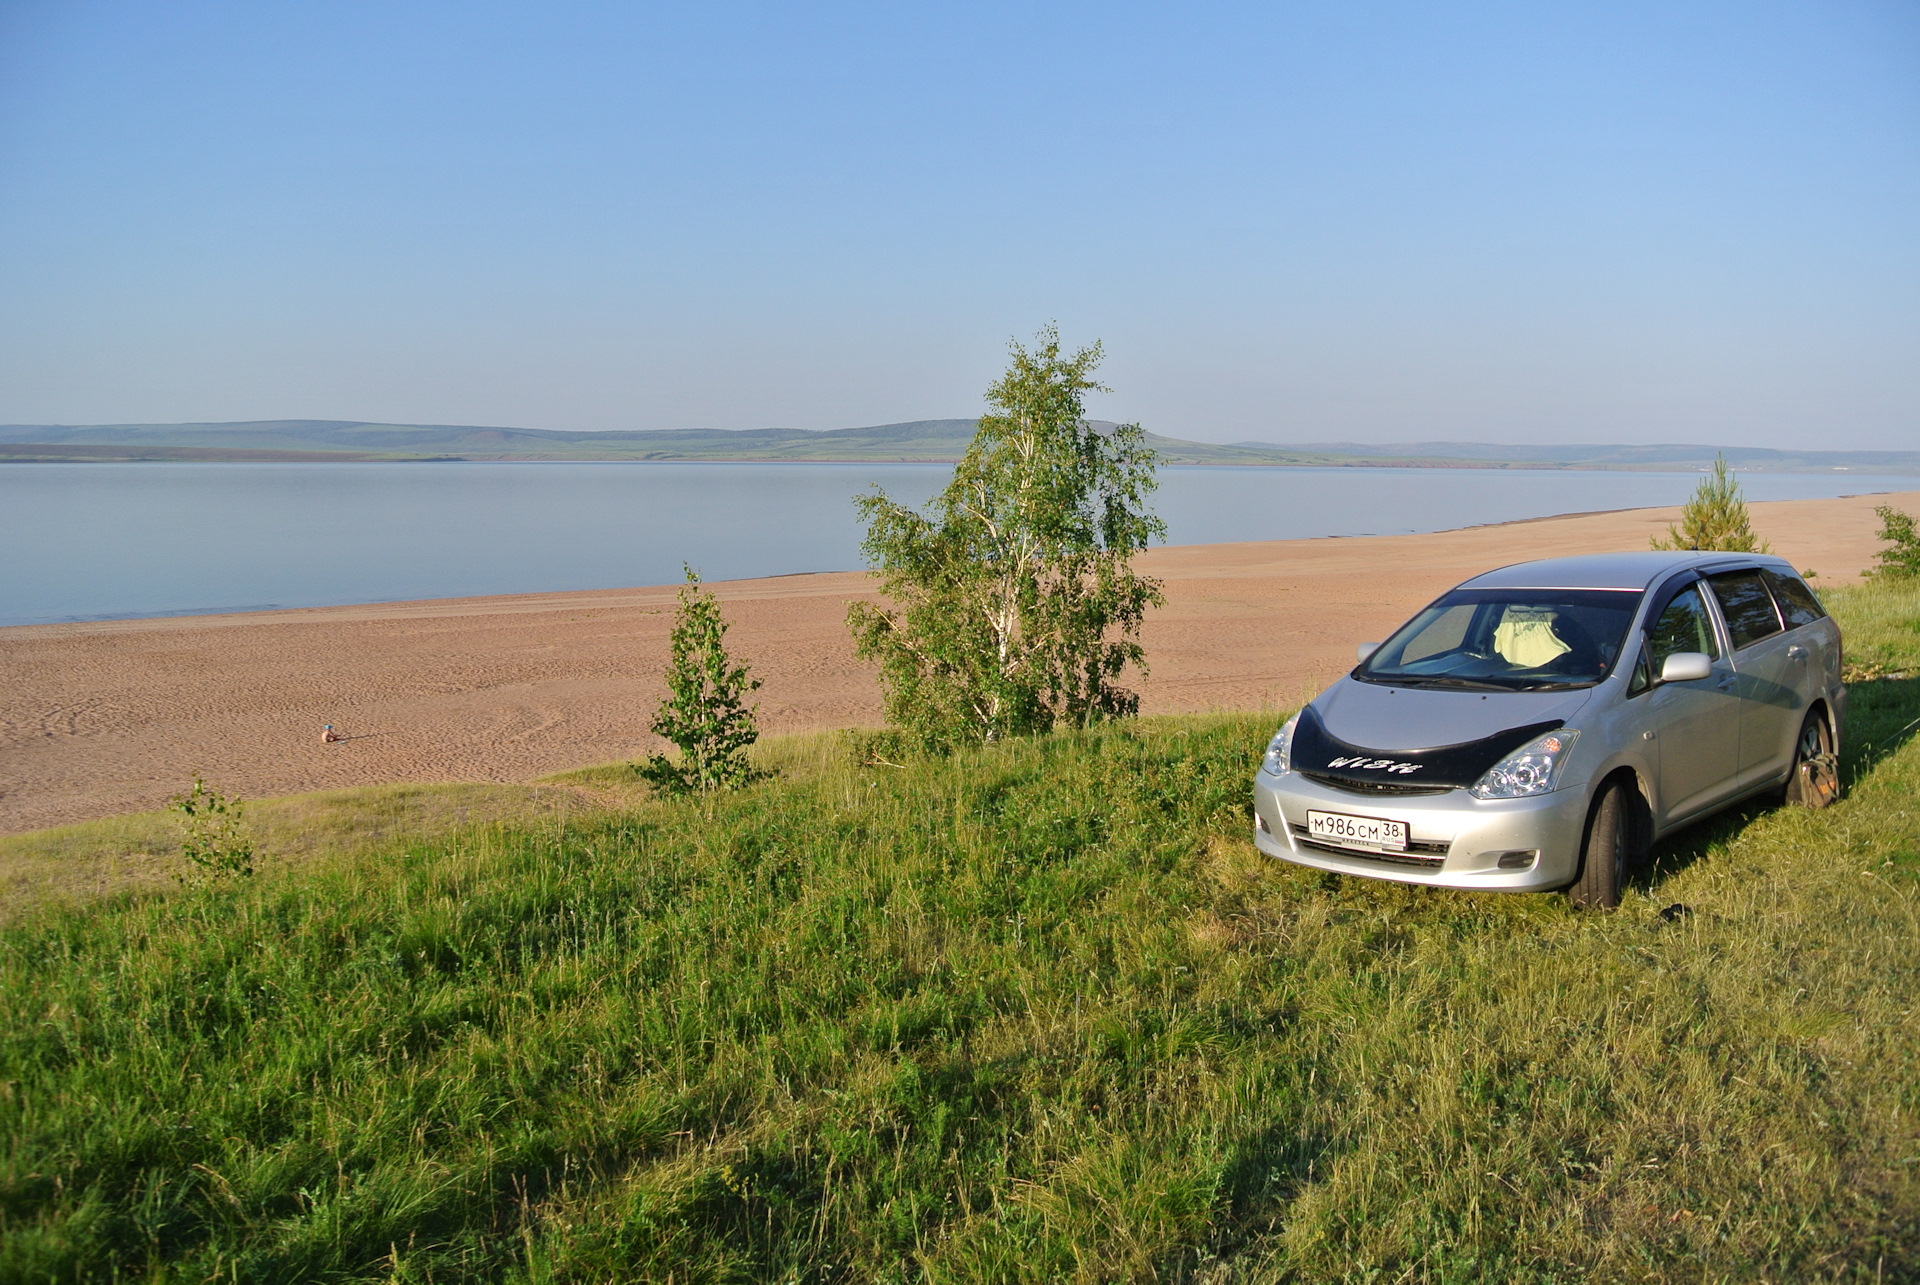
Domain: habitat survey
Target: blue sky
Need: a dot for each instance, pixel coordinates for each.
(1382, 222)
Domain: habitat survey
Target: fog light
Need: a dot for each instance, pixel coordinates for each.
(1518, 860)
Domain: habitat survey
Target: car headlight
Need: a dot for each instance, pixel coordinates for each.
(1534, 768)
(1280, 749)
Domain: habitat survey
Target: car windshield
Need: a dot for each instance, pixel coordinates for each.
(1507, 640)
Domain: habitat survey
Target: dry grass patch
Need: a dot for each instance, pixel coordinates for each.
(140, 852)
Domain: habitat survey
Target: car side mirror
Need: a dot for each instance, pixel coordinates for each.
(1365, 650)
(1685, 667)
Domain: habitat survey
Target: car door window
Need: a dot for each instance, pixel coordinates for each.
(1748, 607)
(1642, 679)
(1683, 626)
(1797, 602)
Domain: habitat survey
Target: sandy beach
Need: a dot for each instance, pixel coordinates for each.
(104, 718)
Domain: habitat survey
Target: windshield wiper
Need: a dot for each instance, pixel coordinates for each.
(1441, 680)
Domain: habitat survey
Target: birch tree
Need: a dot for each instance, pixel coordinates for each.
(704, 711)
(1012, 604)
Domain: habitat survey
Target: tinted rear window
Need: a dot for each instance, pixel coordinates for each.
(1747, 605)
(1797, 602)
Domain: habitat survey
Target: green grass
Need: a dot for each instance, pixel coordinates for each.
(1038, 1012)
(1882, 625)
(140, 852)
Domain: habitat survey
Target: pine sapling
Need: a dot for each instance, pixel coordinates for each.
(703, 713)
(1715, 518)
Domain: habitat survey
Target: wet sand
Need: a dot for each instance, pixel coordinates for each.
(104, 718)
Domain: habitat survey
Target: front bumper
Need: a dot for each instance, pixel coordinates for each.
(1457, 841)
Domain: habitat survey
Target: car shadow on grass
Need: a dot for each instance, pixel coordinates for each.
(1675, 853)
(1883, 714)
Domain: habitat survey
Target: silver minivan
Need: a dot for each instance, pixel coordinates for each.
(1541, 725)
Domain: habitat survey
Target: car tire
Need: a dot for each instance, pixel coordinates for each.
(1607, 856)
(1814, 779)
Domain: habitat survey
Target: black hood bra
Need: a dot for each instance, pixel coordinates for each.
(1320, 752)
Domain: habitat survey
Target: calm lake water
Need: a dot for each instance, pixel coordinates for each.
(97, 541)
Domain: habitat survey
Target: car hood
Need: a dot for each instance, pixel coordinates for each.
(1373, 734)
(1379, 717)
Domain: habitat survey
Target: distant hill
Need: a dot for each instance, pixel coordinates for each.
(1662, 456)
(922, 440)
(296, 440)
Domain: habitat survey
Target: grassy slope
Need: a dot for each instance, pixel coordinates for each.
(1030, 1013)
(140, 852)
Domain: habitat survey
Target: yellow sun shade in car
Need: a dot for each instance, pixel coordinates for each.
(1525, 638)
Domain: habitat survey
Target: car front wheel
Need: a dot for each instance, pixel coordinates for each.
(1609, 850)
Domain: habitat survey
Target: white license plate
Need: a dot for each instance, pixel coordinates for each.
(1374, 833)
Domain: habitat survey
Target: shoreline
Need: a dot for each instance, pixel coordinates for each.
(106, 717)
(216, 615)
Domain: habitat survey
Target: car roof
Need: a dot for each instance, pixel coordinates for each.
(1611, 570)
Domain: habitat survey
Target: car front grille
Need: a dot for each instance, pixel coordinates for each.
(1375, 788)
(1422, 853)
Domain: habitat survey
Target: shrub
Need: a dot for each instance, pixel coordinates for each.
(702, 713)
(215, 842)
(1715, 518)
(1901, 556)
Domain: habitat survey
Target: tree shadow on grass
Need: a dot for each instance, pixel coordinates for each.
(1264, 1173)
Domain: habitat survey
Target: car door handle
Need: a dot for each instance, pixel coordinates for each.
(1726, 682)
(1796, 652)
